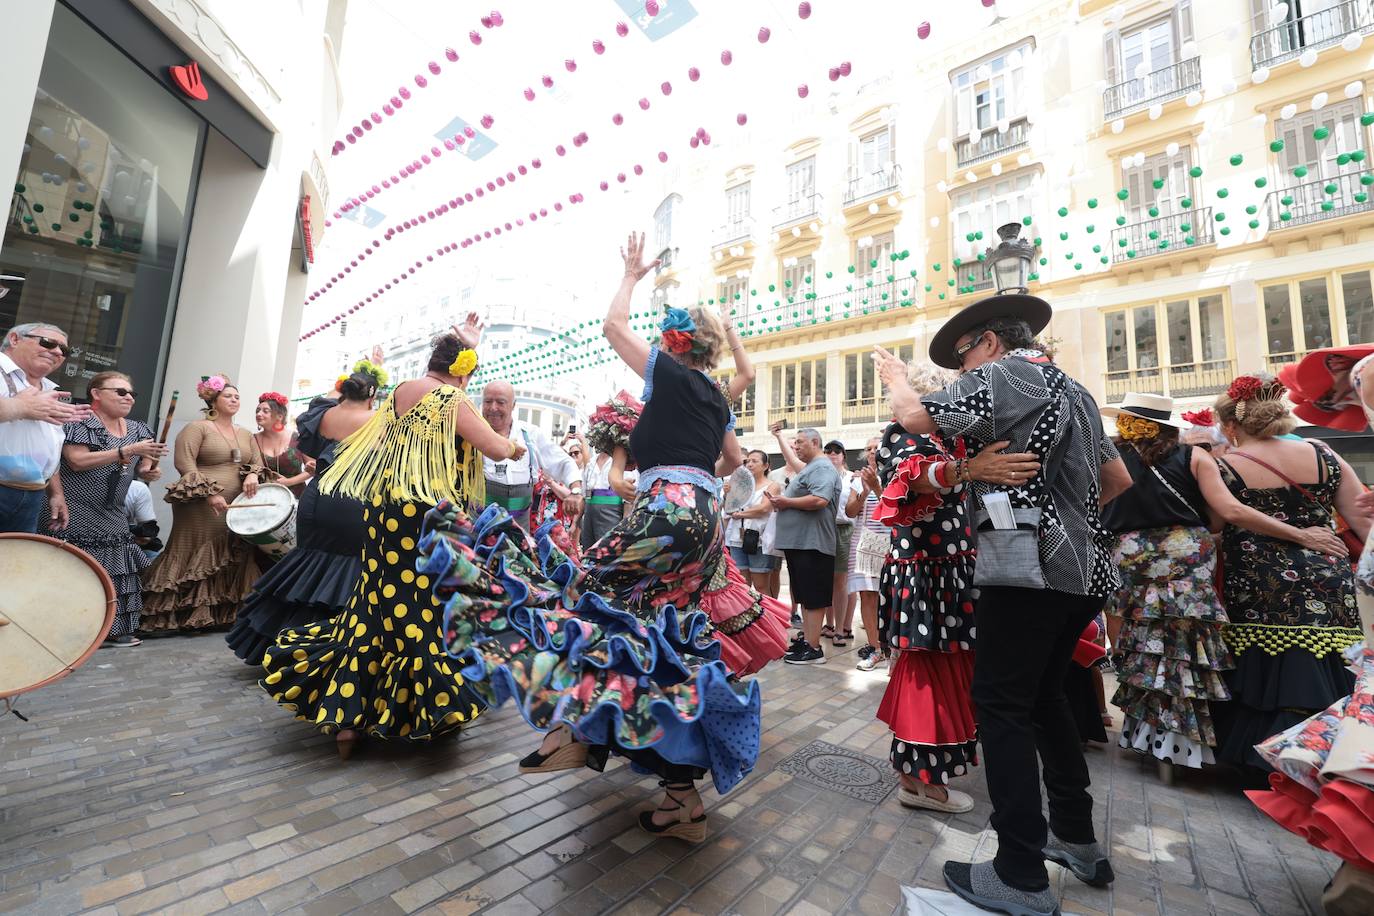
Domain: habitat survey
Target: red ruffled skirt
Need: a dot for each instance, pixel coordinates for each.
(751, 628)
(1340, 820)
(929, 707)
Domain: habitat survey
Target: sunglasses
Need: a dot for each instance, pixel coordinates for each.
(960, 351)
(122, 392)
(47, 343)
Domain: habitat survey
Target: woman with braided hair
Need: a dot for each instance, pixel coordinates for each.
(314, 580)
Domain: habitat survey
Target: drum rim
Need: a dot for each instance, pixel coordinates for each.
(290, 505)
(111, 605)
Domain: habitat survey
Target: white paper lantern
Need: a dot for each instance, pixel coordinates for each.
(1189, 50)
(1114, 14)
(796, 232)
(1193, 99)
(1278, 12)
(789, 262)
(984, 72)
(970, 177)
(815, 227)
(1003, 125)
(934, 222)
(1259, 120)
(1024, 159)
(1260, 75)
(1319, 101)
(1155, 111)
(1127, 163)
(892, 201)
(1232, 33)
(1288, 111)
(1141, 70)
(1353, 41)
(1014, 60)
(942, 186)
(720, 256)
(1229, 85)
(1139, 159)
(1171, 149)
(1352, 90)
(865, 241)
(997, 168)
(942, 144)
(1118, 126)
(1307, 58)
(975, 135)
(873, 208)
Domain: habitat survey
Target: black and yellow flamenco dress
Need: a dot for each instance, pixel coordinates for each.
(380, 666)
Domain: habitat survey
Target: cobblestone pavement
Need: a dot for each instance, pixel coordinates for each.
(162, 779)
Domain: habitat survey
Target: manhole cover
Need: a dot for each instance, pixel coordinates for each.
(842, 770)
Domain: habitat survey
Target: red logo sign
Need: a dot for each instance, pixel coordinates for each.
(187, 79)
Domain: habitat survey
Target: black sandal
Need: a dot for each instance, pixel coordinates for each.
(687, 828)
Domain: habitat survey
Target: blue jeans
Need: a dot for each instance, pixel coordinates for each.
(753, 562)
(19, 510)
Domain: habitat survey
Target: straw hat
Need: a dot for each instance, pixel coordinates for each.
(1153, 407)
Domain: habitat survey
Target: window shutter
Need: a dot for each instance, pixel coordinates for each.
(1184, 12)
(1111, 56)
(963, 103)
(1259, 16)
(892, 142)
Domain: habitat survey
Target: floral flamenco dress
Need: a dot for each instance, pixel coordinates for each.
(1292, 615)
(925, 611)
(379, 665)
(521, 630)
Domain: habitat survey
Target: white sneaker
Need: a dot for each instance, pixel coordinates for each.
(957, 802)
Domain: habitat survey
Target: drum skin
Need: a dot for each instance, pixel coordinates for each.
(270, 528)
(60, 604)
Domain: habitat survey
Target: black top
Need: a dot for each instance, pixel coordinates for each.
(309, 439)
(684, 420)
(1149, 503)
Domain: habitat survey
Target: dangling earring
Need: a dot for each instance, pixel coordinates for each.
(279, 426)
(211, 413)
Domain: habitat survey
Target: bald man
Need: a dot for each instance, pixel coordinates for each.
(510, 483)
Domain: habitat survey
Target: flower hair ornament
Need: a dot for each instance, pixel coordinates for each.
(1249, 388)
(1203, 417)
(275, 398)
(377, 373)
(679, 333)
(1132, 428)
(209, 388)
(464, 363)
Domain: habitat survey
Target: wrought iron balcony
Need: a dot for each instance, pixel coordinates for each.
(1332, 198)
(993, 143)
(796, 211)
(740, 230)
(862, 187)
(1162, 234)
(883, 295)
(1182, 380)
(1160, 86)
(1322, 29)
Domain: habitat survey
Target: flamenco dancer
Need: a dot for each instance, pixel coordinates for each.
(663, 556)
(378, 667)
(313, 581)
(926, 599)
(1323, 789)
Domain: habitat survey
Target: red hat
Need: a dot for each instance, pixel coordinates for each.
(1321, 389)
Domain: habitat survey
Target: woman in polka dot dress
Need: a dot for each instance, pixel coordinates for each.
(379, 667)
(925, 605)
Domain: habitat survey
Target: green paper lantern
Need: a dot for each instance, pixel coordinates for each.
(1092, 203)
(1186, 227)
(1121, 243)
(1367, 180)
(1063, 236)
(829, 274)
(19, 187)
(1091, 228)
(1220, 216)
(1237, 159)
(1158, 183)
(942, 296)
(1328, 206)
(936, 266)
(1252, 209)
(1321, 133)
(1367, 118)
(1190, 240)
(1254, 224)
(1223, 193)
(1225, 230)
(1261, 181)
(1360, 197)
(1153, 211)
(1300, 171)
(1286, 200)
(978, 235)
(1196, 171)
(1063, 211)
(1103, 259)
(1025, 220)
(1122, 194)
(1186, 203)
(37, 208)
(1037, 241)
(1331, 188)
(958, 262)
(968, 237)
(1357, 155)
(1343, 159)
(1044, 261)
(1121, 220)
(1130, 252)
(1154, 234)
(1276, 146)
(873, 263)
(851, 268)
(928, 287)
(1097, 249)
(57, 227)
(1163, 243)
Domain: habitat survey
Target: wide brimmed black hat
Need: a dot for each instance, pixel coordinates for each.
(1033, 310)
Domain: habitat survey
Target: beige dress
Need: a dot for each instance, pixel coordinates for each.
(206, 571)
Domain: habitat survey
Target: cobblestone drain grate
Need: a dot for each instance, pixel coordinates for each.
(841, 770)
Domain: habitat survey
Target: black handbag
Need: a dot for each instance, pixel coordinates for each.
(751, 540)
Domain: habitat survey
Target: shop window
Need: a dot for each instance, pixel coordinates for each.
(1176, 347)
(864, 401)
(96, 228)
(799, 393)
(1309, 313)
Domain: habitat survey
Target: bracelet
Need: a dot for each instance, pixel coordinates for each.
(510, 453)
(965, 476)
(934, 477)
(120, 452)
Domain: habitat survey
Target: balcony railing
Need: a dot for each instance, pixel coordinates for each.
(1321, 29)
(1162, 235)
(865, 410)
(1331, 198)
(803, 312)
(796, 211)
(1272, 361)
(744, 422)
(741, 230)
(862, 187)
(665, 260)
(993, 143)
(1183, 380)
(1160, 86)
(797, 416)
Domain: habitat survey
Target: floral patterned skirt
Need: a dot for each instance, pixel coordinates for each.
(520, 628)
(1172, 643)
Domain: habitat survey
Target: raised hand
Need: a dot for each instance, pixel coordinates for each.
(470, 331)
(891, 370)
(633, 255)
(37, 404)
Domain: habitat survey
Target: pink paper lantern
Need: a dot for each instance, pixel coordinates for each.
(497, 19)
(622, 29)
(644, 104)
(421, 81)
(764, 34)
(620, 177)
(376, 117)
(923, 31)
(834, 74)
(404, 93)
(547, 81)
(666, 88)
(451, 54)
(662, 156)
(706, 139)
(693, 74)
(598, 46)
(529, 94)
(804, 10)
(570, 65)
(617, 119)
(487, 121)
(486, 22)
(845, 68)
(605, 186)
(560, 150)
(741, 119)
(522, 170)
(366, 125)
(469, 131)
(726, 57)
(638, 169)
(475, 37)
(434, 67)
(651, 7)
(803, 91)
(536, 163)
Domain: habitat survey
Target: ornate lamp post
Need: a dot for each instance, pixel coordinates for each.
(1010, 262)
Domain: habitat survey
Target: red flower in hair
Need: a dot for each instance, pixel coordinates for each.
(275, 398)
(677, 342)
(1244, 388)
(1203, 417)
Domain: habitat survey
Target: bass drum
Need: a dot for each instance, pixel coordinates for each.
(56, 607)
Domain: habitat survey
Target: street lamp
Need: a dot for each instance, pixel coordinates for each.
(1011, 260)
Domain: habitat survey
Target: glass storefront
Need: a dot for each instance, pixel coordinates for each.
(97, 225)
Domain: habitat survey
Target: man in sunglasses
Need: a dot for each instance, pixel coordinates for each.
(32, 412)
(1035, 601)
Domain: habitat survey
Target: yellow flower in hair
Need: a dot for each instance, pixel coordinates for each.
(463, 363)
(1133, 428)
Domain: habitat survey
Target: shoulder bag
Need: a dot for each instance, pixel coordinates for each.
(1352, 541)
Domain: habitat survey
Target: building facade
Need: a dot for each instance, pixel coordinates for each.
(1195, 173)
(170, 185)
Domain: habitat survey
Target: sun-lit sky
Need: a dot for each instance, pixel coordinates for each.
(388, 43)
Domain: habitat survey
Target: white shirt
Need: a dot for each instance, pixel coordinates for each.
(138, 504)
(848, 483)
(30, 450)
(540, 453)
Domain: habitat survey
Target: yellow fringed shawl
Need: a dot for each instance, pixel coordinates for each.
(418, 456)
